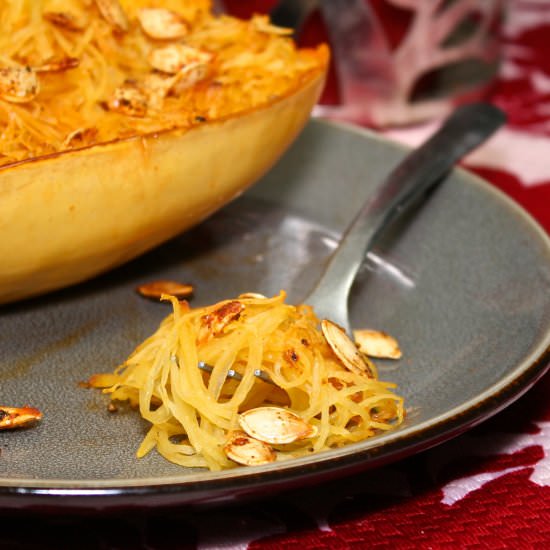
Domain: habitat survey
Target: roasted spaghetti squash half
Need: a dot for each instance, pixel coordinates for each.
(123, 123)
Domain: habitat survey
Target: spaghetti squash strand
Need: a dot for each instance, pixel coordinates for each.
(191, 423)
(249, 67)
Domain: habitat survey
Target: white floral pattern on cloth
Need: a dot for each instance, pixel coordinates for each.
(523, 154)
(501, 444)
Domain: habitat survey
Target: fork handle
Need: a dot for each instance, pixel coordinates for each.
(469, 126)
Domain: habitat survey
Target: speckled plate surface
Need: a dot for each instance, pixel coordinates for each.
(464, 283)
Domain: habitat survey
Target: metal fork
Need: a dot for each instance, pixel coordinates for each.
(421, 170)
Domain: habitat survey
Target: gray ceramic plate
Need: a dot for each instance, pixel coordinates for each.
(464, 283)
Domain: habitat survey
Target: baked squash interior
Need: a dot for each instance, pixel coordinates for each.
(126, 122)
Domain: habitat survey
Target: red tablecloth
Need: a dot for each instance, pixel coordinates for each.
(489, 488)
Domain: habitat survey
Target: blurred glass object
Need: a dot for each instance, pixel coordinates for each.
(399, 62)
(218, 6)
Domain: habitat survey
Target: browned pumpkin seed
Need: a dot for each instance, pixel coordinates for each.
(156, 289)
(162, 24)
(80, 137)
(18, 84)
(246, 450)
(174, 58)
(129, 100)
(18, 417)
(376, 343)
(157, 86)
(275, 425)
(345, 349)
(113, 13)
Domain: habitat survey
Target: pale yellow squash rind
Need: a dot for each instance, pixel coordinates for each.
(70, 216)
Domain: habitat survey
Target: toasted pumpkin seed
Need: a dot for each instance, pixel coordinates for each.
(128, 99)
(345, 349)
(189, 76)
(18, 417)
(80, 137)
(113, 13)
(174, 58)
(162, 24)
(246, 450)
(156, 289)
(18, 84)
(377, 344)
(252, 296)
(275, 425)
(157, 86)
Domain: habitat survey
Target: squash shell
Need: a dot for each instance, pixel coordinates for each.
(70, 216)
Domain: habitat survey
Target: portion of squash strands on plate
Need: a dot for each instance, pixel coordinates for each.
(280, 384)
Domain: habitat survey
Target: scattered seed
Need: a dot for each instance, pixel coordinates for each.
(129, 100)
(174, 58)
(252, 295)
(246, 450)
(275, 425)
(80, 137)
(157, 86)
(113, 13)
(376, 343)
(156, 289)
(345, 349)
(162, 24)
(18, 417)
(18, 84)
